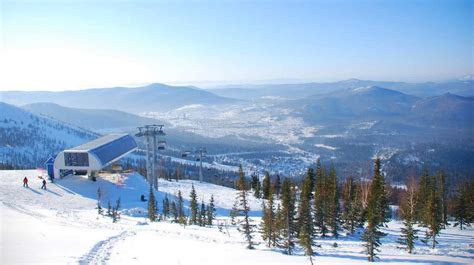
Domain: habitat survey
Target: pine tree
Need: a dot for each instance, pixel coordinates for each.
(320, 195)
(384, 202)
(266, 186)
(193, 206)
(349, 216)
(277, 186)
(433, 214)
(383, 207)
(166, 207)
(174, 211)
(246, 228)
(372, 236)
(312, 180)
(202, 214)
(109, 209)
(306, 195)
(206, 218)
(460, 211)
(268, 225)
(408, 208)
(443, 197)
(305, 220)
(100, 211)
(423, 193)
(115, 211)
(279, 225)
(265, 224)
(287, 216)
(333, 202)
(470, 202)
(211, 211)
(151, 205)
(375, 213)
(256, 186)
(358, 206)
(180, 209)
(234, 212)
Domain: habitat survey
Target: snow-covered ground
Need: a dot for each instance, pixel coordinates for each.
(328, 147)
(254, 122)
(60, 225)
(269, 124)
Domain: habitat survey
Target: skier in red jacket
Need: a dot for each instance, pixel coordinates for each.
(25, 182)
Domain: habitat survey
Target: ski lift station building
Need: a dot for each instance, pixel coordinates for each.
(94, 155)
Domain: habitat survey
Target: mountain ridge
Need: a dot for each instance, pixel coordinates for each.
(94, 119)
(302, 90)
(27, 139)
(153, 97)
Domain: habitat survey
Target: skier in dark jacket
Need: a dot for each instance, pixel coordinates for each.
(44, 184)
(25, 182)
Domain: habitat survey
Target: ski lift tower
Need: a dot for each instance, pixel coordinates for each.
(200, 153)
(154, 137)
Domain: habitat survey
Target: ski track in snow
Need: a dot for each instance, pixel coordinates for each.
(23, 210)
(100, 253)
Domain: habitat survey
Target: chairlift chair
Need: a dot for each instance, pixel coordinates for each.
(161, 145)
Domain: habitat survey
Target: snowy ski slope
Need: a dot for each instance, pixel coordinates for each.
(60, 225)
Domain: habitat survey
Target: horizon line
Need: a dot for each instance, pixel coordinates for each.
(216, 84)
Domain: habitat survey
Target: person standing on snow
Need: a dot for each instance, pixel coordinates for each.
(25, 182)
(44, 184)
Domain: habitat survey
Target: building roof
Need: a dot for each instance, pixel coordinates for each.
(108, 148)
(97, 142)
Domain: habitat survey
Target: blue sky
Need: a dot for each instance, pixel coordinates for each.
(56, 45)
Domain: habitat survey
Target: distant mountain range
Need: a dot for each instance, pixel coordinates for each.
(161, 97)
(154, 97)
(463, 87)
(368, 102)
(372, 102)
(448, 109)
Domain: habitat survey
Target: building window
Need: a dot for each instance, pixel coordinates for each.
(76, 159)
